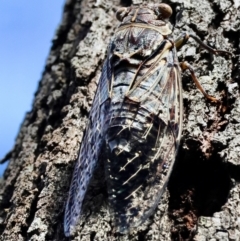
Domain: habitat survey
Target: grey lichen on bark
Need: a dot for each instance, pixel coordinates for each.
(202, 200)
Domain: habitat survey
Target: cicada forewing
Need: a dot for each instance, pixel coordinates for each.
(91, 147)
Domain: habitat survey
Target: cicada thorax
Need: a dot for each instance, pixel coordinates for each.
(142, 120)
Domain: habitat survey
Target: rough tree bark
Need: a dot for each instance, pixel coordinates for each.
(203, 197)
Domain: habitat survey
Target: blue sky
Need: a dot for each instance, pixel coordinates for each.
(26, 30)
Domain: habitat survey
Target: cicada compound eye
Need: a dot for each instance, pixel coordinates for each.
(121, 13)
(164, 10)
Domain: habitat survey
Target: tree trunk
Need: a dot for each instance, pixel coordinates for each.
(202, 201)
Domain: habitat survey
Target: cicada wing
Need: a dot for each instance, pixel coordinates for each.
(89, 152)
(162, 156)
(143, 140)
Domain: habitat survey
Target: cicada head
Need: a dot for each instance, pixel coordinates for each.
(163, 11)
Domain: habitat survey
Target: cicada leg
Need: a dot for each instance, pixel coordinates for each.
(183, 38)
(179, 42)
(185, 65)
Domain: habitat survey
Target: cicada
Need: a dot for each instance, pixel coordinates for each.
(135, 123)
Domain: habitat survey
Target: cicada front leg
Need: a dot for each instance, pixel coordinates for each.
(179, 42)
(183, 38)
(185, 65)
